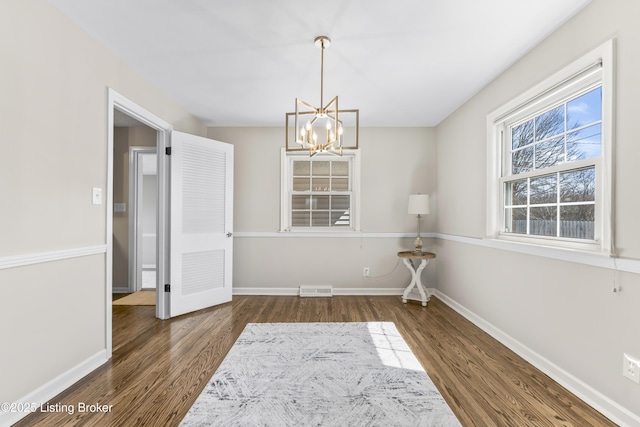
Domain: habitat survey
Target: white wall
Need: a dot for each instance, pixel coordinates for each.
(563, 311)
(53, 140)
(395, 162)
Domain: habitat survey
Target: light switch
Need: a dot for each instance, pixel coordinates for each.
(119, 207)
(97, 196)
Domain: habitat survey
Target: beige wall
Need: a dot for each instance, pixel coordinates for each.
(566, 312)
(53, 139)
(123, 138)
(54, 81)
(394, 163)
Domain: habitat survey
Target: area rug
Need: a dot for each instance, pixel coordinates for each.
(137, 298)
(320, 374)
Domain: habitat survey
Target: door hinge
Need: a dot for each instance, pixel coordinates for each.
(167, 288)
(167, 151)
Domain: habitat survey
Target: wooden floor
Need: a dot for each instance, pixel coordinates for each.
(159, 367)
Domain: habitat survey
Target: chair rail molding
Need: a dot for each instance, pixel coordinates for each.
(22, 260)
(594, 259)
(325, 234)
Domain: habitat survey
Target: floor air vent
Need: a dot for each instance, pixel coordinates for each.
(316, 291)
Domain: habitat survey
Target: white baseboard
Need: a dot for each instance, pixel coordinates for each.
(368, 291)
(336, 291)
(54, 387)
(265, 291)
(610, 409)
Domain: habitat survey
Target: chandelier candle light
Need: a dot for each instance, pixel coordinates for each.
(418, 205)
(329, 139)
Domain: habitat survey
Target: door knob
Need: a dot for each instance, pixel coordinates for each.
(229, 234)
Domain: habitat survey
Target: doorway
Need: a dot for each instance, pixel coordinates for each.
(122, 108)
(135, 208)
(195, 271)
(143, 218)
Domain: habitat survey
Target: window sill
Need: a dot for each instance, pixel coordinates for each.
(584, 246)
(590, 254)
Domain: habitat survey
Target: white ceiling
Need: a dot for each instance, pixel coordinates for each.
(243, 62)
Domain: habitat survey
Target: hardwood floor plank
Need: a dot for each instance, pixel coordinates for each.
(159, 368)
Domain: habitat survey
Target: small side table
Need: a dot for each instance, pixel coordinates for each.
(407, 258)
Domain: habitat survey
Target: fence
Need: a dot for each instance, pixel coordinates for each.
(571, 229)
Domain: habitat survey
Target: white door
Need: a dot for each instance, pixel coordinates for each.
(201, 223)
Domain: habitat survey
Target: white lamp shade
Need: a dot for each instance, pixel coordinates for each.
(418, 204)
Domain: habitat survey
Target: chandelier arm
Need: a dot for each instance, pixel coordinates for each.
(308, 105)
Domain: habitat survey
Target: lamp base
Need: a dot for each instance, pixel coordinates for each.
(417, 243)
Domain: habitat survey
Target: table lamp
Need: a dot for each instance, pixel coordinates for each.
(418, 205)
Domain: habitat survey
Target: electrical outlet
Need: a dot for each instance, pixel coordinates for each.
(96, 196)
(365, 271)
(631, 368)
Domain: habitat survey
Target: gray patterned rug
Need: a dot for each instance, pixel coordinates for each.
(320, 374)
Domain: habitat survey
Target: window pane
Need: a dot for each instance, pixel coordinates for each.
(577, 221)
(543, 190)
(301, 202)
(516, 193)
(585, 109)
(301, 184)
(320, 219)
(550, 123)
(340, 169)
(522, 135)
(543, 221)
(340, 202)
(578, 186)
(313, 199)
(301, 168)
(321, 202)
(300, 219)
(321, 168)
(522, 160)
(516, 220)
(585, 143)
(550, 153)
(340, 184)
(340, 218)
(320, 184)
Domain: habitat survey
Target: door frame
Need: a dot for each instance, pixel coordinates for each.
(163, 128)
(134, 213)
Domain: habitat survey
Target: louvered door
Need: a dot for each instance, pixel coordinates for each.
(201, 223)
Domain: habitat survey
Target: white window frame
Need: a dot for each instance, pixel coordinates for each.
(286, 178)
(593, 69)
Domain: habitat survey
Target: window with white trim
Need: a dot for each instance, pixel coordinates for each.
(550, 160)
(320, 193)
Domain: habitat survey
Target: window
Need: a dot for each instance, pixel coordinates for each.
(550, 160)
(319, 192)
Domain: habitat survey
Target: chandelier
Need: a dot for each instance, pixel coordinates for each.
(322, 129)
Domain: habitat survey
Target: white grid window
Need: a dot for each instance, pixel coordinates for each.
(550, 156)
(550, 184)
(319, 192)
